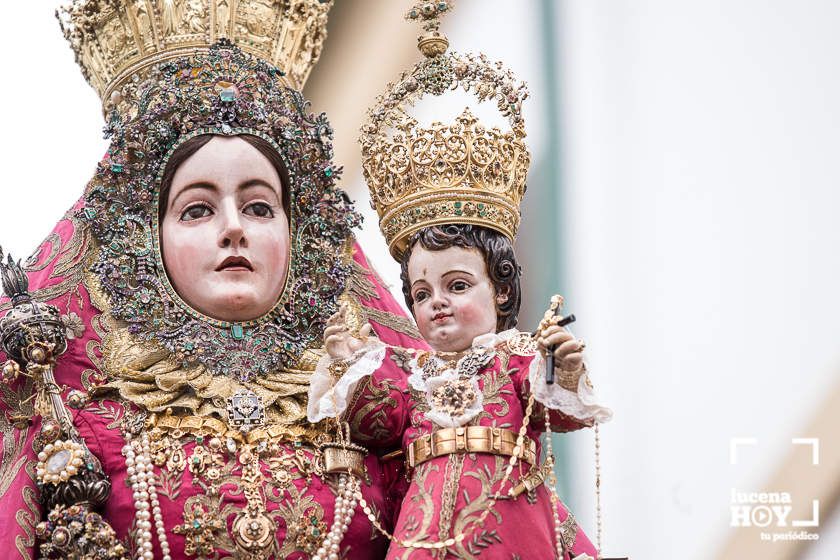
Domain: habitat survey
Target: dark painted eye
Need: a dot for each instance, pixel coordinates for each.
(195, 212)
(421, 295)
(260, 210)
(459, 286)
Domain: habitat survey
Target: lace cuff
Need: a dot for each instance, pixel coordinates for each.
(328, 398)
(581, 405)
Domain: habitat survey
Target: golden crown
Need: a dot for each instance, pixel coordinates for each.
(115, 40)
(462, 172)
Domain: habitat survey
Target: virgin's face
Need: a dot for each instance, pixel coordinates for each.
(454, 299)
(224, 235)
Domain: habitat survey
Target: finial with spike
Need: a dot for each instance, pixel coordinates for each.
(29, 323)
(432, 43)
(14, 279)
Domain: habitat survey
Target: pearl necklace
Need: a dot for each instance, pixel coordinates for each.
(138, 461)
(559, 545)
(141, 476)
(345, 507)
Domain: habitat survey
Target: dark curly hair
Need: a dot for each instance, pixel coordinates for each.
(495, 248)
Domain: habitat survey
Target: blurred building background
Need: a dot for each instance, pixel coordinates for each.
(683, 197)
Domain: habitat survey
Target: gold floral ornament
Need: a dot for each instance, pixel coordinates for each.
(454, 397)
(75, 532)
(115, 40)
(460, 172)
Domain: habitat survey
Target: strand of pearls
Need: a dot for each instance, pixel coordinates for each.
(598, 485)
(141, 476)
(345, 507)
(552, 489)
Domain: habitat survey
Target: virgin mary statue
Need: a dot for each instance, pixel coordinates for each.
(159, 343)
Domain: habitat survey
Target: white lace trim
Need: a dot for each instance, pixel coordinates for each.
(581, 405)
(487, 340)
(329, 398)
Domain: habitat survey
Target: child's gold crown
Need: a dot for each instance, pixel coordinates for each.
(461, 172)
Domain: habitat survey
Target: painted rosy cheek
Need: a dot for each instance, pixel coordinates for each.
(468, 311)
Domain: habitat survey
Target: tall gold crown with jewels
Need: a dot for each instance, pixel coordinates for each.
(115, 40)
(461, 172)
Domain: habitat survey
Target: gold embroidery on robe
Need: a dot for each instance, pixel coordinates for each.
(70, 264)
(424, 499)
(378, 400)
(13, 457)
(479, 538)
(33, 264)
(27, 518)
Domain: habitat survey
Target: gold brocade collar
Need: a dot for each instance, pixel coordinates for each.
(190, 399)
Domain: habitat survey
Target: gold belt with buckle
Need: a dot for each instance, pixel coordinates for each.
(469, 439)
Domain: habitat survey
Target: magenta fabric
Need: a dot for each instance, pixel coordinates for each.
(385, 411)
(55, 273)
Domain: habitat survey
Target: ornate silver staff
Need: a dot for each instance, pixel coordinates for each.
(70, 478)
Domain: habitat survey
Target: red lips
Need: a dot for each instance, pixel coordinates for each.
(438, 317)
(235, 263)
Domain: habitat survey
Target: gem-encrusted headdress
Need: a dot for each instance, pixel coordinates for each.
(229, 92)
(116, 40)
(461, 172)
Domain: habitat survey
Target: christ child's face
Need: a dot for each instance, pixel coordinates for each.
(454, 299)
(225, 236)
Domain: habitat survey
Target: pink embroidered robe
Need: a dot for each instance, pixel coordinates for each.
(448, 494)
(56, 272)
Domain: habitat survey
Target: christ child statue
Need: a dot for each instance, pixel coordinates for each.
(467, 414)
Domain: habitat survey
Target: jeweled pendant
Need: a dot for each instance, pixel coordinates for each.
(245, 410)
(253, 531)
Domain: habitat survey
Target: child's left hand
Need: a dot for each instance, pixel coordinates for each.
(338, 341)
(568, 350)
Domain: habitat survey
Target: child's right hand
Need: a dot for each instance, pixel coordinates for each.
(339, 343)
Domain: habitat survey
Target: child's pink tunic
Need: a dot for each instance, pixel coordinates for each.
(383, 399)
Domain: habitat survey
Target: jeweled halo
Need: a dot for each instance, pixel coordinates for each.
(223, 91)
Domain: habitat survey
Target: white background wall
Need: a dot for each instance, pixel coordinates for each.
(700, 159)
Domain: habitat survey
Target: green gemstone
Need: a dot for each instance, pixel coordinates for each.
(458, 204)
(328, 171)
(237, 332)
(196, 524)
(227, 94)
(117, 167)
